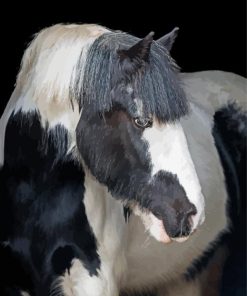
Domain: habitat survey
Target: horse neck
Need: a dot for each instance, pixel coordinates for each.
(104, 212)
(106, 217)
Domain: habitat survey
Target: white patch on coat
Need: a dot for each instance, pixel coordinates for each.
(169, 152)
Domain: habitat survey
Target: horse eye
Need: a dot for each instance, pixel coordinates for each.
(143, 123)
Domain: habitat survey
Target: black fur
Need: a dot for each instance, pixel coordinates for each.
(42, 216)
(230, 134)
(231, 125)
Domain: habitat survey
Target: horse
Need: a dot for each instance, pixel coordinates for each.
(115, 166)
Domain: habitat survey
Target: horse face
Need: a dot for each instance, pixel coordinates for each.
(147, 165)
(136, 146)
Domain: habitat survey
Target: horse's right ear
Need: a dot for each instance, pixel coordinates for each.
(168, 40)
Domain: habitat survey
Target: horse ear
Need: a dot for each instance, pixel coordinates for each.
(168, 40)
(139, 51)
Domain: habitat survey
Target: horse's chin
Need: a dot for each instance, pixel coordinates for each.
(156, 227)
(157, 230)
(180, 239)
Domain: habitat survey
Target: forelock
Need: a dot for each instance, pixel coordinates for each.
(156, 83)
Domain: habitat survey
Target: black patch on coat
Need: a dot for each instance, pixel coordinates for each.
(230, 134)
(42, 216)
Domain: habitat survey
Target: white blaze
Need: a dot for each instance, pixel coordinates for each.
(169, 152)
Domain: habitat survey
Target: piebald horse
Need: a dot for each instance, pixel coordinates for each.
(112, 172)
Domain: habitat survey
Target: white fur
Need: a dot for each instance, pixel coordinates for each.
(106, 218)
(78, 282)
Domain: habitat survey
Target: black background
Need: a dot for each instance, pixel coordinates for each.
(212, 33)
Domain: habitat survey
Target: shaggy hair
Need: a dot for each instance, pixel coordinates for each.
(156, 84)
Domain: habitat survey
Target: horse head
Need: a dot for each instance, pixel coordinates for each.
(129, 133)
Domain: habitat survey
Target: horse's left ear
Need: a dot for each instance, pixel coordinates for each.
(168, 40)
(139, 51)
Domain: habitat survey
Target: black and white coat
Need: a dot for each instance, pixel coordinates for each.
(66, 227)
